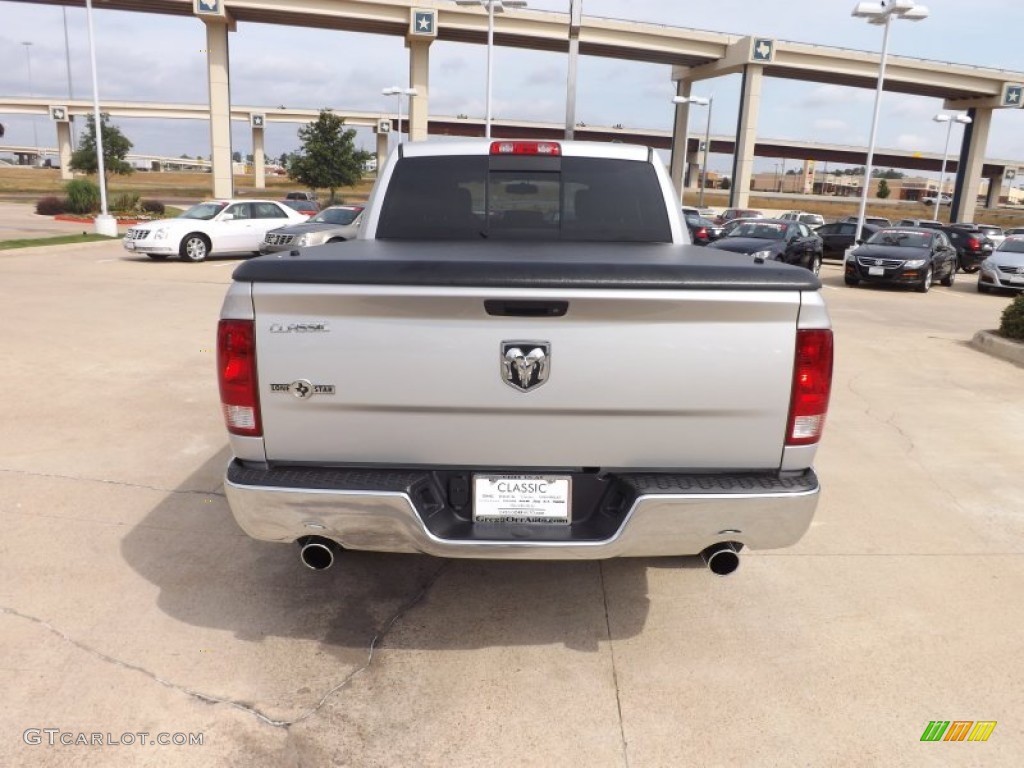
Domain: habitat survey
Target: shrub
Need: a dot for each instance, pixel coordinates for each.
(153, 206)
(125, 202)
(51, 206)
(83, 196)
(1012, 324)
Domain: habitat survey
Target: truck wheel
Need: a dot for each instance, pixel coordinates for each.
(926, 283)
(157, 256)
(194, 247)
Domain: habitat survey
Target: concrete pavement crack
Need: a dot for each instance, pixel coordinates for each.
(120, 483)
(380, 634)
(615, 671)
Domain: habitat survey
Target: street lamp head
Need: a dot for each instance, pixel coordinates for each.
(881, 12)
(942, 117)
(698, 100)
(498, 5)
(392, 91)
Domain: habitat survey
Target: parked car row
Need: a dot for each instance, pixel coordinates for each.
(239, 226)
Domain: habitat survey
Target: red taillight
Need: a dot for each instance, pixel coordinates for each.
(525, 148)
(812, 383)
(973, 244)
(701, 233)
(236, 372)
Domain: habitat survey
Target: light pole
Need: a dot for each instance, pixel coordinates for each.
(394, 90)
(881, 14)
(708, 102)
(492, 6)
(949, 120)
(32, 95)
(105, 223)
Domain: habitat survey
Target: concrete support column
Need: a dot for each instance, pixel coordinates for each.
(419, 78)
(64, 149)
(746, 136)
(382, 151)
(972, 158)
(219, 78)
(995, 189)
(258, 159)
(680, 137)
(693, 170)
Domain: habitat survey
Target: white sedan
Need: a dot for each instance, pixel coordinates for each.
(216, 226)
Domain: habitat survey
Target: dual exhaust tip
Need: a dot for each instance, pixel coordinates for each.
(319, 554)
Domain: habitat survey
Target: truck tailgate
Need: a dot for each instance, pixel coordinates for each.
(412, 375)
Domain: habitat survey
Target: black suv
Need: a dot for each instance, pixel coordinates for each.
(972, 246)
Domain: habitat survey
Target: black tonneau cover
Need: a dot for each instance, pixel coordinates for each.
(525, 264)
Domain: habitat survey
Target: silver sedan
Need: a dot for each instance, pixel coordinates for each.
(1004, 269)
(331, 225)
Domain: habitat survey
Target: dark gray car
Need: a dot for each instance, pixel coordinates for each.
(331, 225)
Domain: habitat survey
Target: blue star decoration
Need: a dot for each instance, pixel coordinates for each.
(209, 6)
(1013, 95)
(424, 22)
(762, 49)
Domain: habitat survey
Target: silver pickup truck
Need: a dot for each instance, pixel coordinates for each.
(522, 357)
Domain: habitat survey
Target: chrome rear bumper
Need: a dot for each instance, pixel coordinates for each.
(402, 511)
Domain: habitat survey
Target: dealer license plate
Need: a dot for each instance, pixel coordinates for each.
(522, 499)
(1017, 280)
(876, 270)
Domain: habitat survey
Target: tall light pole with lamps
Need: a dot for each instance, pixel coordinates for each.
(492, 6)
(949, 120)
(881, 14)
(31, 93)
(708, 102)
(394, 90)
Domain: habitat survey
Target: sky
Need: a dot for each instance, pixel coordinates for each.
(159, 58)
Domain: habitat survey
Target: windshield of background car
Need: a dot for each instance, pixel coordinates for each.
(339, 216)
(204, 211)
(524, 197)
(1012, 245)
(760, 230)
(900, 238)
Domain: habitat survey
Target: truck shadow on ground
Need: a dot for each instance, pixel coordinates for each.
(210, 574)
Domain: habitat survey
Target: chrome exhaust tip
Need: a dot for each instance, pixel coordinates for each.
(317, 553)
(721, 559)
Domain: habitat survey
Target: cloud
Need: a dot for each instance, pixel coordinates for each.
(830, 125)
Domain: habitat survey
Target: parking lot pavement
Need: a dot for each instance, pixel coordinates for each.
(131, 603)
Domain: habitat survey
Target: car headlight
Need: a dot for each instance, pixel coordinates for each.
(764, 255)
(915, 263)
(304, 239)
(988, 266)
(159, 234)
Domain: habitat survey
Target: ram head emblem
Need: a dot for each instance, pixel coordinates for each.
(525, 364)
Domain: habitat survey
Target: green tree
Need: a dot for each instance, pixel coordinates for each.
(115, 147)
(328, 158)
(725, 183)
(883, 190)
(236, 157)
